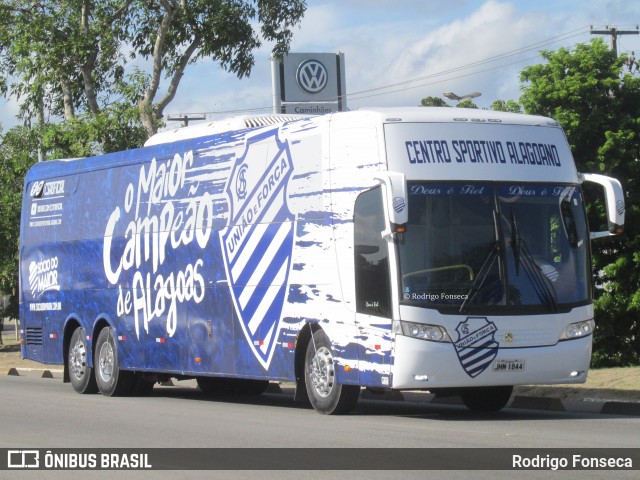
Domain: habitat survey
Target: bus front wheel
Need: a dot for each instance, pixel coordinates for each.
(110, 379)
(327, 396)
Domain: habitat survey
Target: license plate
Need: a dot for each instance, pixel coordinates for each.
(508, 366)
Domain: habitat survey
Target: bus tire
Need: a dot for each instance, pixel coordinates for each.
(81, 374)
(327, 396)
(486, 399)
(112, 381)
(210, 386)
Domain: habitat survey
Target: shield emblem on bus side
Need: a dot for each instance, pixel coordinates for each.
(257, 244)
(476, 346)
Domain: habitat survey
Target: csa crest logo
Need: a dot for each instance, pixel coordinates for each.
(476, 346)
(257, 245)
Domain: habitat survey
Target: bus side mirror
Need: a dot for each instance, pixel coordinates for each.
(395, 189)
(614, 200)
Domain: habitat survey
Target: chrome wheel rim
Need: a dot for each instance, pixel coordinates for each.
(106, 361)
(322, 372)
(78, 359)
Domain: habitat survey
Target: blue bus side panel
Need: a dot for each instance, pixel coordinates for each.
(186, 249)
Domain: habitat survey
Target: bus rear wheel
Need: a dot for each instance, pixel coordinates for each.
(111, 380)
(81, 374)
(486, 399)
(327, 396)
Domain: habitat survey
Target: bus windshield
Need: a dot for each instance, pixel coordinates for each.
(494, 247)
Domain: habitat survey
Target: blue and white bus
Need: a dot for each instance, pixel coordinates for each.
(406, 249)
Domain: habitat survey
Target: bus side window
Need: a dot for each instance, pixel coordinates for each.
(373, 293)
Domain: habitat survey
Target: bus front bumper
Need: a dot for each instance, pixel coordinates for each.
(420, 364)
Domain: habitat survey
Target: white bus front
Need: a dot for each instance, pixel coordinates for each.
(494, 275)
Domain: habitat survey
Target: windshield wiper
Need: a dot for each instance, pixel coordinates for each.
(516, 242)
(487, 265)
(541, 284)
(483, 273)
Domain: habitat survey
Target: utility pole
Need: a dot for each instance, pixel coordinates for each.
(185, 118)
(614, 32)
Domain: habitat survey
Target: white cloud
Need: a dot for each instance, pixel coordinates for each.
(460, 42)
(8, 112)
(494, 28)
(387, 42)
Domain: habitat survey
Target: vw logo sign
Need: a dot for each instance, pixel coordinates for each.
(312, 76)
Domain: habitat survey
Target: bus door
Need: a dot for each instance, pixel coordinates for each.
(376, 285)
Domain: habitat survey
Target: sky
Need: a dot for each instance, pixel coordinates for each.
(400, 51)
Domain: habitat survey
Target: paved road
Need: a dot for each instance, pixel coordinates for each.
(45, 413)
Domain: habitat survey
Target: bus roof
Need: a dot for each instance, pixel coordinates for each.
(382, 115)
(219, 126)
(457, 115)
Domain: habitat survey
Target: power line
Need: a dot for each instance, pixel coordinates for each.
(449, 79)
(491, 59)
(614, 32)
(406, 84)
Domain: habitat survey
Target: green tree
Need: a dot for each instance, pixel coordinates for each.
(113, 129)
(508, 106)
(438, 102)
(71, 57)
(433, 102)
(176, 33)
(18, 149)
(62, 56)
(466, 103)
(598, 105)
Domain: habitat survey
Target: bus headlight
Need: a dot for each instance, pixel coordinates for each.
(434, 333)
(577, 330)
